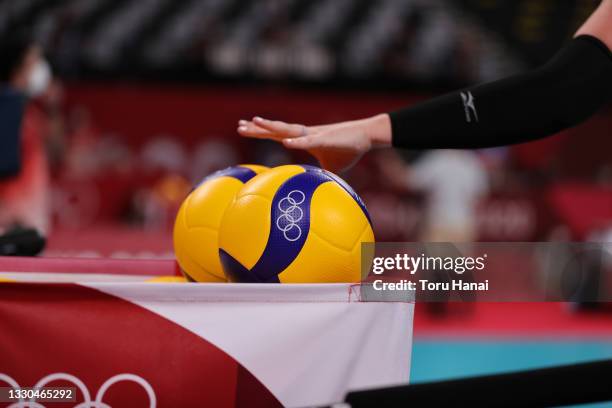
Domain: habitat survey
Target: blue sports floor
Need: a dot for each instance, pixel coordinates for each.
(445, 359)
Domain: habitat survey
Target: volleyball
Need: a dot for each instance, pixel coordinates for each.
(294, 224)
(197, 223)
(167, 279)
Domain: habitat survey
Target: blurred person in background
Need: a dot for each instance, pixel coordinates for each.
(24, 178)
(453, 181)
(564, 92)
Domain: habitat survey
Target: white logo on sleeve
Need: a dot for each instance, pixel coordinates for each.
(468, 105)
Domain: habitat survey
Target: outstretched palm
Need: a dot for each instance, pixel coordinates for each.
(336, 147)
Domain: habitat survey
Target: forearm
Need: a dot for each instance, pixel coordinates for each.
(378, 129)
(525, 107)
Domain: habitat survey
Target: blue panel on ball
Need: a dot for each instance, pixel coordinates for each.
(243, 174)
(236, 272)
(290, 224)
(342, 184)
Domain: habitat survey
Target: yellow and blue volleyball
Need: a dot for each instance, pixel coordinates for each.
(294, 224)
(196, 227)
(167, 279)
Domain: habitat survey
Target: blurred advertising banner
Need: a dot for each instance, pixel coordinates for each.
(187, 345)
(488, 272)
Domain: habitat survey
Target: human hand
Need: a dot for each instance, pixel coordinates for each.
(336, 146)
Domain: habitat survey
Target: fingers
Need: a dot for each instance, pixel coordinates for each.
(304, 142)
(249, 129)
(281, 128)
(266, 129)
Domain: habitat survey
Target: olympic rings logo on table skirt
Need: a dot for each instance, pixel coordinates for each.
(87, 402)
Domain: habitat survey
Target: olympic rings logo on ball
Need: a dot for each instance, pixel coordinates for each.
(291, 214)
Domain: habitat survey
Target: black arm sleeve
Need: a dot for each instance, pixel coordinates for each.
(562, 93)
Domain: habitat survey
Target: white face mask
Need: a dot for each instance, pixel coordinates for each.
(39, 79)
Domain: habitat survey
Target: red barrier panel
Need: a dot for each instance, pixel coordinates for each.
(89, 266)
